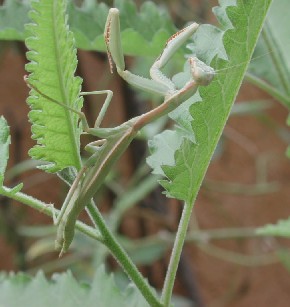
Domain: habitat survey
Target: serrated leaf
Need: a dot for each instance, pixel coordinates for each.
(242, 22)
(280, 229)
(162, 148)
(63, 290)
(52, 66)
(4, 147)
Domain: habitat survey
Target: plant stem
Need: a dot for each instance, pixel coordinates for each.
(106, 237)
(48, 210)
(175, 255)
(238, 258)
(234, 188)
(124, 260)
(275, 54)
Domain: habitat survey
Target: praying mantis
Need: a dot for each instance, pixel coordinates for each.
(113, 142)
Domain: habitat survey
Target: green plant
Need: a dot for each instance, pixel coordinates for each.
(200, 120)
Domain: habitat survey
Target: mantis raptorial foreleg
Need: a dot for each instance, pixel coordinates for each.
(114, 141)
(159, 84)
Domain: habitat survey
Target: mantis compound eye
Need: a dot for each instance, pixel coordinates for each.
(201, 73)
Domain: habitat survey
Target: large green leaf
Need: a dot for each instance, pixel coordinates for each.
(242, 22)
(63, 290)
(52, 66)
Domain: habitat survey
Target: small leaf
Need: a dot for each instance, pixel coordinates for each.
(280, 229)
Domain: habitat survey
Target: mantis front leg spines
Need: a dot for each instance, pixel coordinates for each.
(114, 141)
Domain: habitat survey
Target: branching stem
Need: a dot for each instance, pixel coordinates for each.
(104, 236)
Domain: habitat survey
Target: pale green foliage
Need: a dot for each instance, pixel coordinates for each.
(143, 32)
(52, 65)
(184, 177)
(280, 229)
(13, 16)
(63, 290)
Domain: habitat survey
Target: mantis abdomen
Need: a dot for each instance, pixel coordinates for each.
(106, 156)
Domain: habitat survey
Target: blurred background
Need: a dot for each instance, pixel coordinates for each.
(224, 263)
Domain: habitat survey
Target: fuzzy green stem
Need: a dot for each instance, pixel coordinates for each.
(48, 210)
(124, 260)
(175, 255)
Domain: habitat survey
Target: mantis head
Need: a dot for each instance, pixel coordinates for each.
(201, 73)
